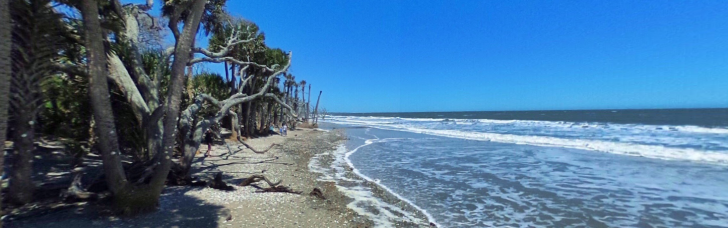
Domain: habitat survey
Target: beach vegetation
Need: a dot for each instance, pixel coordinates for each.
(97, 77)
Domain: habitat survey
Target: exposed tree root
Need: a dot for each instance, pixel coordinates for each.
(258, 151)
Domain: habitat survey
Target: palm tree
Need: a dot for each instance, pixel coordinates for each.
(303, 96)
(130, 197)
(291, 84)
(35, 31)
(295, 103)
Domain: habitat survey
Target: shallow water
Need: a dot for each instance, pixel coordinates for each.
(482, 173)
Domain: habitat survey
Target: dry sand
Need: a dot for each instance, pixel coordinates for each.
(243, 207)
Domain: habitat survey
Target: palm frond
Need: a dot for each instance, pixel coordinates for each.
(34, 42)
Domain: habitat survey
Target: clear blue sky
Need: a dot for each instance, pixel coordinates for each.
(389, 56)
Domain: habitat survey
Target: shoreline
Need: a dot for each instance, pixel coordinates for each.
(431, 220)
(187, 206)
(293, 163)
(376, 201)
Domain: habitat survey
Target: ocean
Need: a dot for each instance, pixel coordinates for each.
(590, 168)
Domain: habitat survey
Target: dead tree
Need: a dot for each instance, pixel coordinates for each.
(315, 111)
(308, 104)
(193, 130)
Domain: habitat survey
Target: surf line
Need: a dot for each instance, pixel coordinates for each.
(626, 149)
(365, 177)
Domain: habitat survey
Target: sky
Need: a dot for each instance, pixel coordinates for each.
(417, 56)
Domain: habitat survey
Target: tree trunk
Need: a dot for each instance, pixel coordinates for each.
(34, 52)
(233, 83)
(308, 105)
(241, 120)
(129, 198)
(315, 111)
(275, 111)
(100, 98)
(295, 100)
(21, 186)
(182, 56)
(303, 103)
(227, 75)
(5, 27)
(269, 116)
(254, 108)
(261, 118)
(190, 87)
(249, 112)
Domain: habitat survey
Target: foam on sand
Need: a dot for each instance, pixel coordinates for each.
(383, 214)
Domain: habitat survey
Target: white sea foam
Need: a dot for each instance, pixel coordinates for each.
(650, 151)
(363, 198)
(358, 173)
(319, 129)
(502, 185)
(692, 143)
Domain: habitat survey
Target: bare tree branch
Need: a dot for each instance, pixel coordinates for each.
(279, 101)
(224, 51)
(258, 151)
(233, 60)
(194, 138)
(118, 73)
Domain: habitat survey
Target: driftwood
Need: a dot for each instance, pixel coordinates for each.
(317, 193)
(278, 188)
(255, 178)
(258, 151)
(76, 192)
(272, 187)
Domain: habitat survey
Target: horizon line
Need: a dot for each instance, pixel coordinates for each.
(533, 110)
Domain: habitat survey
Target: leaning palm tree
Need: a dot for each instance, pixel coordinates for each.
(35, 30)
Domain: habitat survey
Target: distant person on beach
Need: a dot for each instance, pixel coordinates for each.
(272, 130)
(208, 141)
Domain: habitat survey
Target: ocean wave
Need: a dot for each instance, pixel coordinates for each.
(539, 123)
(691, 143)
(650, 151)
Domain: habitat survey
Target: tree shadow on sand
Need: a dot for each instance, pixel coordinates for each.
(175, 210)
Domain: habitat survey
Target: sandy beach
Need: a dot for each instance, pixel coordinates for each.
(186, 206)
